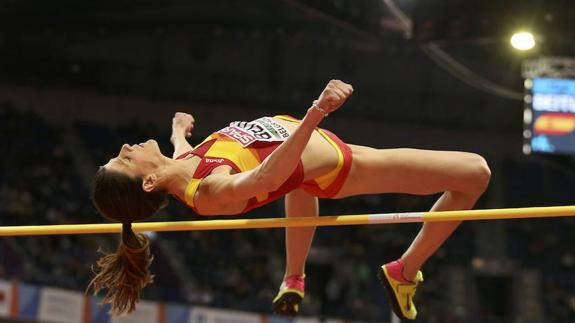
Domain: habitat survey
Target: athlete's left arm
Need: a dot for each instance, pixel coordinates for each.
(280, 164)
(182, 126)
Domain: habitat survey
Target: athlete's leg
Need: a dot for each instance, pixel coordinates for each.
(462, 176)
(298, 203)
(432, 235)
(298, 241)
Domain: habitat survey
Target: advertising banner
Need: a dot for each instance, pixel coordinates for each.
(57, 305)
(5, 298)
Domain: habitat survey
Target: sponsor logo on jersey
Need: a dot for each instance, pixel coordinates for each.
(214, 160)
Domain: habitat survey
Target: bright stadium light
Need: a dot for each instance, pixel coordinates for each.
(523, 40)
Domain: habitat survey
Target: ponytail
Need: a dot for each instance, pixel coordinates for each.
(125, 272)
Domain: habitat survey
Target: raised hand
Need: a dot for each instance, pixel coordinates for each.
(183, 123)
(333, 96)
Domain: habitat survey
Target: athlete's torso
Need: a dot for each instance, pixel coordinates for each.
(231, 150)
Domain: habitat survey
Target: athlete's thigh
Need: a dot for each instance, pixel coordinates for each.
(411, 171)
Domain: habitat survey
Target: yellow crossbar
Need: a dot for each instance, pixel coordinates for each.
(465, 215)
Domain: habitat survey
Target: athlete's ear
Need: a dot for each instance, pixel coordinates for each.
(150, 182)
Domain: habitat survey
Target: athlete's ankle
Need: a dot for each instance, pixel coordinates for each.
(294, 282)
(294, 276)
(399, 271)
(408, 272)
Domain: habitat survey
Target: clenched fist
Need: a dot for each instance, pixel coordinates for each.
(334, 95)
(183, 123)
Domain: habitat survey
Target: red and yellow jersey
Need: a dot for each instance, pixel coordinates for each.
(244, 145)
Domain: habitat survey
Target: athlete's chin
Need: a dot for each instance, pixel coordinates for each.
(152, 147)
(158, 150)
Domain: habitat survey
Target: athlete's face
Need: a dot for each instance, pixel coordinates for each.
(137, 160)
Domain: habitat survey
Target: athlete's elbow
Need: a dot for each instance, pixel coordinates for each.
(263, 178)
(268, 182)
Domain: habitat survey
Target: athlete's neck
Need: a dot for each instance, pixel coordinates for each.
(178, 174)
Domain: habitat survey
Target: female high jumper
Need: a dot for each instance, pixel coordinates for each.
(248, 164)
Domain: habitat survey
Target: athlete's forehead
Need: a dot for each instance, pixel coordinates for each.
(116, 164)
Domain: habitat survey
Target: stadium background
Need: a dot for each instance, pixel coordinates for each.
(77, 80)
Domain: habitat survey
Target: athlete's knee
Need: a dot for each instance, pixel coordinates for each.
(479, 173)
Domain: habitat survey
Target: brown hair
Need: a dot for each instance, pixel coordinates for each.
(126, 272)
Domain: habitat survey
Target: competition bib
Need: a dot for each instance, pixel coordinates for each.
(262, 129)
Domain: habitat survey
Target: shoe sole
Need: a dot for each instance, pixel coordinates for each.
(390, 294)
(286, 304)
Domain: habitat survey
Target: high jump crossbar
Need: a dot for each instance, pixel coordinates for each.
(382, 218)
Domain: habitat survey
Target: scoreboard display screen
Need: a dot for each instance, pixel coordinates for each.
(550, 116)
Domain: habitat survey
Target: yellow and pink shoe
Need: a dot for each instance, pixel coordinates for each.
(399, 289)
(290, 295)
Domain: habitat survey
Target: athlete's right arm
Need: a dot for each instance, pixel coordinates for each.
(182, 126)
(280, 164)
